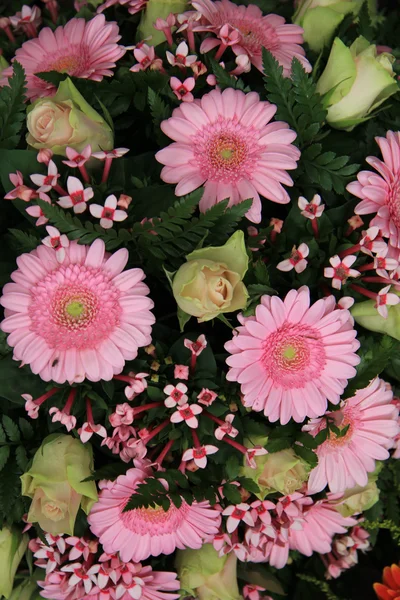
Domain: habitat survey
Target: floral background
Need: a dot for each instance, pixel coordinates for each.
(199, 372)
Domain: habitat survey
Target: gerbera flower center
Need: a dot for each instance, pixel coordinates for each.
(75, 307)
(294, 354)
(255, 35)
(227, 151)
(154, 520)
(394, 202)
(73, 63)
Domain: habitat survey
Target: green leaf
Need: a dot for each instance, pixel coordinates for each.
(158, 108)
(224, 79)
(183, 318)
(11, 429)
(249, 485)
(26, 428)
(232, 493)
(365, 27)
(375, 354)
(23, 241)
(308, 440)
(278, 444)
(232, 467)
(3, 438)
(309, 108)
(306, 454)
(12, 108)
(110, 472)
(21, 457)
(4, 456)
(86, 232)
(325, 169)
(227, 222)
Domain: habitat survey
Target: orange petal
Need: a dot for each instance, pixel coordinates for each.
(388, 578)
(381, 591)
(393, 593)
(396, 574)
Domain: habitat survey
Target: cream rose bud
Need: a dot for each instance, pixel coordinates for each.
(28, 590)
(66, 119)
(358, 499)
(282, 471)
(55, 483)
(320, 19)
(366, 315)
(210, 283)
(206, 575)
(355, 82)
(12, 548)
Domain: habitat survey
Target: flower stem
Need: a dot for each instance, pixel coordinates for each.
(164, 453)
(84, 173)
(89, 412)
(381, 280)
(350, 250)
(234, 444)
(363, 291)
(106, 170)
(196, 440)
(314, 224)
(39, 401)
(155, 431)
(213, 418)
(70, 401)
(60, 190)
(145, 407)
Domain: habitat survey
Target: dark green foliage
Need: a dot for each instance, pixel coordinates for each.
(12, 108)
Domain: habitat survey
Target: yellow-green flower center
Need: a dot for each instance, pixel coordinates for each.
(227, 153)
(289, 352)
(75, 308)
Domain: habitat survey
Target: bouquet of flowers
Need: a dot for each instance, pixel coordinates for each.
(200, 311)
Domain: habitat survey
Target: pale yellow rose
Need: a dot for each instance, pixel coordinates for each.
(55, 483)
(66, 119)
(12, 548)
(355, 81)
(207, 576)
(210, 283)
(358, 499)
(282, 471)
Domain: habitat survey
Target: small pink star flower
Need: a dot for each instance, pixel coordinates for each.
(181, 372)
(276, 224)
(31, 407)
(181, 58)
(123, 415)
(88, 429)
(183, 91)
(383, 264)
(199, 455)
(297, 261)
(20, 190)
(81, 575)
(60, 416)
(165, 26)
(346, 302)
(206, 397)
(340, 270)
(226, 429)
(49, 181)
(198, 346)
(80, 547)
(385, 298)
(311, 210)
(44, 155)
(260, 510)
(236, 514)
(251, 453)
(57, 241)
(78, 195)
(124, 201)
(252, 592)
(243, 65)
(36, 211)
(77, 159)
(146, 59)
(116, 153)
(176, 395)
(372, 242)
(108, 213)
(188, 414)
(136, 386)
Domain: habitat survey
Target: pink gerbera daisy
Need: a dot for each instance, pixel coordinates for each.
(321, 522)
(255, 32)
(225, 142)
(142, 532)
(380, 194)
(82, 318)
(371, 420)
(291, 358)
(82, 49)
